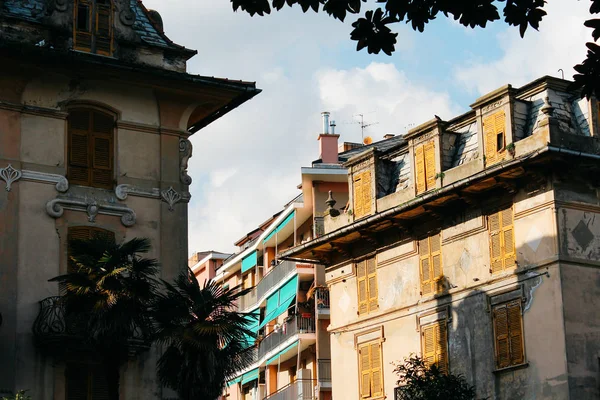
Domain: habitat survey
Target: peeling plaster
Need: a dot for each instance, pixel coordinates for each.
(531, 291)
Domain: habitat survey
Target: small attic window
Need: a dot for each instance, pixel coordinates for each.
(93, 26)
(500, 141)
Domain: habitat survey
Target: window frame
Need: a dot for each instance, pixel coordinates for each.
(91, 136)
(424, 155)
(378, 369)
(436, 283)
(493, 125)
(443, 327)
(523, 362)
(370, 303)
(501, 231)
(93, 32)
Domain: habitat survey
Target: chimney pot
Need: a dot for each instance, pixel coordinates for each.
(325, 117)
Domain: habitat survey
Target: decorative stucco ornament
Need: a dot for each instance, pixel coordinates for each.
(56, 207)
(127, 16)
(185, 148)
(92, 211)
(124, 190)
(10, 175)
(170, 196)
(61, 183)
(60, 5)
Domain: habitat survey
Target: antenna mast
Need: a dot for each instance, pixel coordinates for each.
(363, 125)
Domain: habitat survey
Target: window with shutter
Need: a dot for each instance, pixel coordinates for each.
(362, 194)
(430, 264)
(366, 278)
(93, 26)
(90, 149)
(370, 359)
(434, 344)
(425, 167)
(508, 334)
(494, 132)
(86, 382)
(502, 240)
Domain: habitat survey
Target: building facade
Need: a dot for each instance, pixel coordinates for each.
(289, 298)
(472, 243)
(96, 111)
(204, 264)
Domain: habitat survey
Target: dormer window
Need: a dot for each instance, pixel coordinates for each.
(93, 26)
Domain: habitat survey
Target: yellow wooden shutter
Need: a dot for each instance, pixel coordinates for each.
(102, 150)
(435, 249)
(489, 137)
(501, 337)
(365, 371)
(104, 28)
(376, 372)
(366, 193)
(508, 238)
(495, 243)
(428, 344)
(372, 284)
(358, 196)
(425, 266)
(441, 346)
(363, 297)
(420, 169)
(515, 332)
(430, 172)
(78, 169)
(82, 25)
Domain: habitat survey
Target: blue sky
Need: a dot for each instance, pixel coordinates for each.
(247, 164)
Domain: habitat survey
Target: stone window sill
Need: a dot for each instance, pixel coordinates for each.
(512, 367)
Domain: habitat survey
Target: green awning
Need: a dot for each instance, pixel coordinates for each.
(277, 312)
(280, 301)
(276, 356)
(234, 381)
(250, 376)
(253, 326)
(280, 226)
(249, 261)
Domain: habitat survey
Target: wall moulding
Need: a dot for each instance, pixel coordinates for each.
(124, 190)
(61, 183)
(56, 207)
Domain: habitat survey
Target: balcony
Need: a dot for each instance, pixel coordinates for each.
(55, 330)
(247, 300)
(274, 277)
(302, 389)
(322, 300)
(297, 325)
(324, 372)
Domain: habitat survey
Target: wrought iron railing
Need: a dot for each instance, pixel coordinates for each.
(247, 300)
(322, 297)
(302, 389)
(54, 325)
(290, 328)
(324, 370)
(397, 393)
(275, 276)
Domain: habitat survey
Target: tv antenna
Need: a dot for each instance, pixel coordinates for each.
(363, 125)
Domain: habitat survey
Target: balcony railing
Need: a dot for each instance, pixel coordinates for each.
(247, 300)
(397, 393)
(290, 328)
(54, 329)
(302, 389)
(324, 370)
(319, 226)
(274, 277)
(322, 297)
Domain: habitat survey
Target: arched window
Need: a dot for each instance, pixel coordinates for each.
(90, 148)
(93, 26)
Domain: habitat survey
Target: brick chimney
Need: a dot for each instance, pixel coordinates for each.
(328, 142)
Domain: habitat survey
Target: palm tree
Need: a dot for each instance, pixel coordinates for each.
(205, 338)
(106, 296)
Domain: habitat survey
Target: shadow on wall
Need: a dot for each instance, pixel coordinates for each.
(511, 342)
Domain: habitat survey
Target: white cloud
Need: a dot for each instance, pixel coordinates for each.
(220, 176)
(382, 87)
(560, 43)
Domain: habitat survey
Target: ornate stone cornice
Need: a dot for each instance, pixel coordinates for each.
(122, 191)
(61, 183)
(56, 207)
